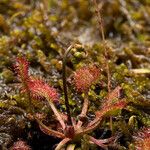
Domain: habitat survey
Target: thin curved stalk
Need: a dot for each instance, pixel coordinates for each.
(65, 84)
(62, 143)
(100, 143)
(85, 105)
(57, 114)
(84, 109)
(90, 128)
(101, 29)
(49, 131)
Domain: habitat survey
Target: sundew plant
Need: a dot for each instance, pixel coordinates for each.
(74, 75)
(71, 130)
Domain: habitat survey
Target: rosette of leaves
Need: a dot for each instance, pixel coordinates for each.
(77, 130)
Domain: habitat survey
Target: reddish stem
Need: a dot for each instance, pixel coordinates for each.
(84, 109)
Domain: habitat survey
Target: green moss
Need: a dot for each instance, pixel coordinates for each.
(42, 32)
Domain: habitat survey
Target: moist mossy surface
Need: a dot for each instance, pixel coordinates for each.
(41, 31)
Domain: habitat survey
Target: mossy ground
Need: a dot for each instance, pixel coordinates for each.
(42, 30)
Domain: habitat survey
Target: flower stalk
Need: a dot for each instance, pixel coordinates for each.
(65, 84)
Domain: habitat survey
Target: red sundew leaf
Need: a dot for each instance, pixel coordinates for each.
(40, 89)
(21, 68)
(37, 87)
(142, 139)
(107, 109)
(104, 112)
(85, 77)
(115, 94)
